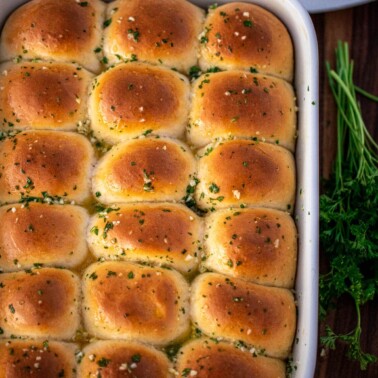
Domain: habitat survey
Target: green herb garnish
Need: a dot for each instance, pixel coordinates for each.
(348, 212)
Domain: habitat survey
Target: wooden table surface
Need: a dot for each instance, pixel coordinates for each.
(359, 27)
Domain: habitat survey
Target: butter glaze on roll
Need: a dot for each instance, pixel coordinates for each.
(258, 245)
(146, 169)
(247, 37)
(135, 98)
(133, 302)
(204, 358)
(240, 104)
(163, 32)
(24, 359)
(163, 234)
(64, 30)
(261, 317)
(123, 359)
(43, 95)
(41, 303)
(43, 234)
(34, 162)
(246, 173)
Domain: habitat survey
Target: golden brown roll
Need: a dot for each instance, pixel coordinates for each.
(134, 98)
(258, 245)
(259, 316)
(42, 234)
(248, 37)
(206, 358)
(128, 301)
(123, 359)
(144, 170)
(64, 30)
(45, 163)
(240, 104)
(246, 173)
(164, 234)
(24, 359)
(41, 303)
(163, 32)
(43, 95)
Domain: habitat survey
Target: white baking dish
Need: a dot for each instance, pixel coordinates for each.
(301, 29)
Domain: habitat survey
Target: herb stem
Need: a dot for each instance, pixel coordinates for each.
(366, 94)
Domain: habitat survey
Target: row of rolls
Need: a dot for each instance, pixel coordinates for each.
(62, 166)
(134, 359)
(257, 244)
(97, 35)
(120, 106)
(164, 291)
(123, 300)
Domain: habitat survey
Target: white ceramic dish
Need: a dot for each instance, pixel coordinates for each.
(298, 21)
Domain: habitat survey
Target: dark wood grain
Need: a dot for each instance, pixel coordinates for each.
(359, 27)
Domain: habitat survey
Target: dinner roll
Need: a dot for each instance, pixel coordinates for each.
(259, 316)
(36, 95)
(45, 163)
(24, 359)
(246, 36)
(164, 234)
(134, 99)
(40, 303)
(259, 245)
(123, 359)
(128, 301)
(64, 30)
(42, 234)
(246, 173)
(144, 170)
(159, 32)
(240, 104)
(207, 358)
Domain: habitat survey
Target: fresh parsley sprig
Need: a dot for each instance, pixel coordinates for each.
(348, 211)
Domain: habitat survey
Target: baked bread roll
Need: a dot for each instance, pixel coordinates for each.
(258, 245)
(45, 163)
(42, 234)
(259, 316)
(135, 98)
(40, 303)
(247, 37)
(64, 30)
(133, 302)
(24, 359)
(163, 32)
(163, 234)
(144, 170)
(43, 95)
(245, 173)
(205, 358)
(123, 359)
(240, 104)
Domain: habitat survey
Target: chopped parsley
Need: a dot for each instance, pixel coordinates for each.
(103, 362)
(136, 357)
(133, 34)
(214, 188)
(107, 23)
